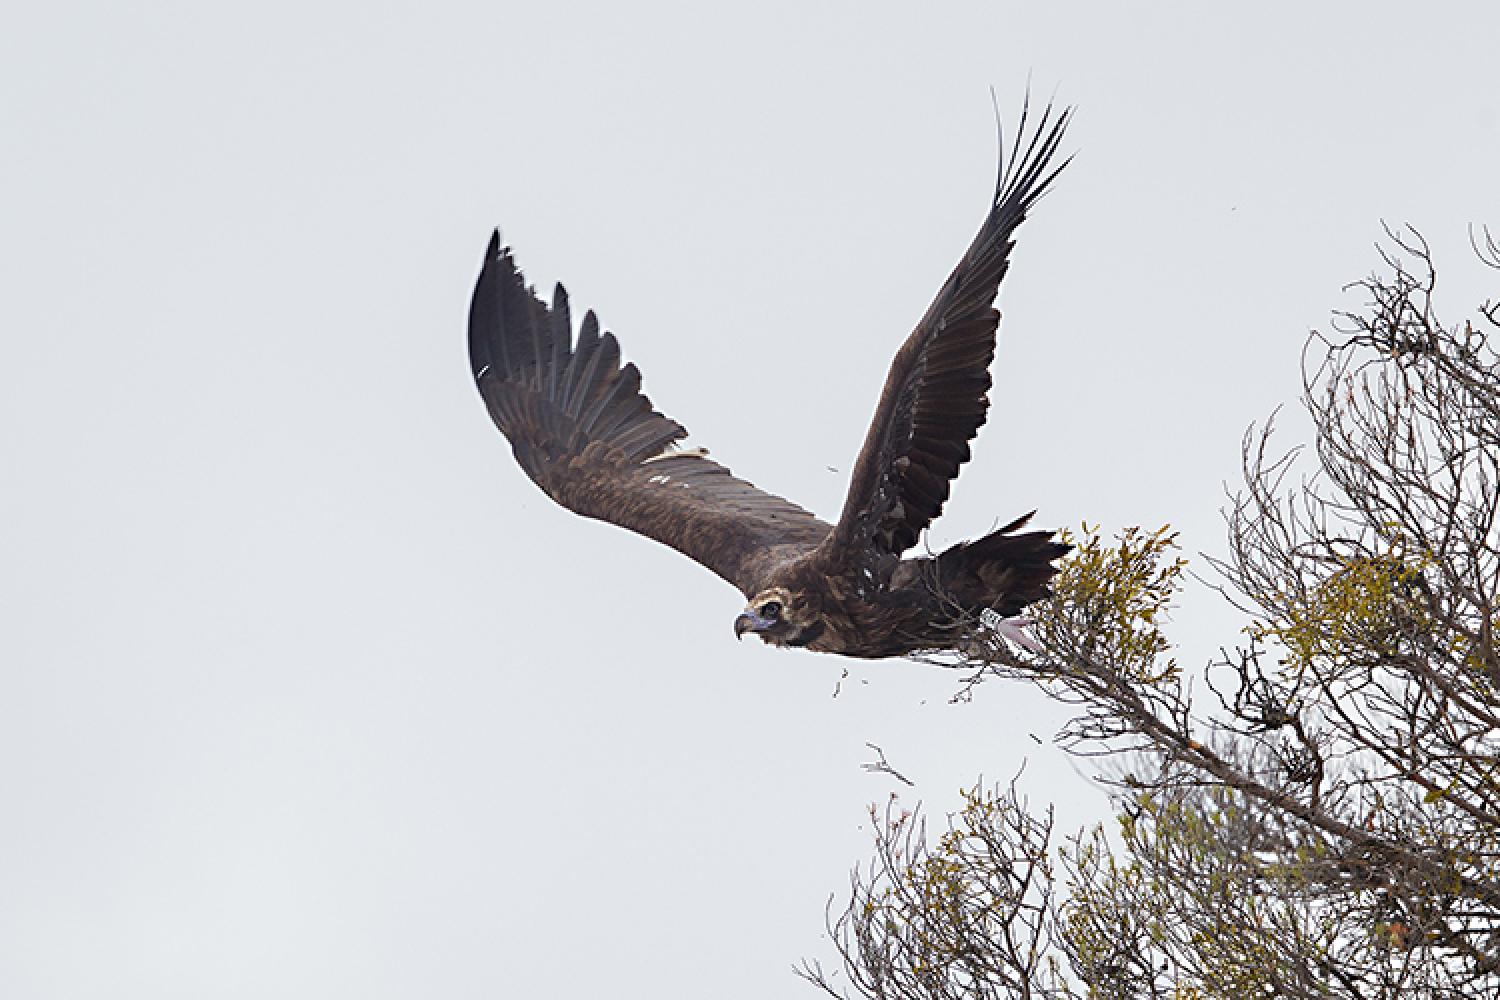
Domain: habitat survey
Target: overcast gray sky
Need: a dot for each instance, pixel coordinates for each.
(306, 691)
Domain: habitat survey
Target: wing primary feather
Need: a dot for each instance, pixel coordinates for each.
(562, 339)
(541, 331)
(621, 416)
(602, 367)
(628, 380)
(484, 310)
(518, 338)
(582, 365)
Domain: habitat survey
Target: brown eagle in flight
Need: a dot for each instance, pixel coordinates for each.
(585, 433)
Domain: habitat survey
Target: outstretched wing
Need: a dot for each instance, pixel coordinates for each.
(584, 432)
(935, 395)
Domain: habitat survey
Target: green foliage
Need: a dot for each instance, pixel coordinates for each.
(1114, 597)
(964, 914)
(1176, 914)
(1366, 605)
(1327, 824)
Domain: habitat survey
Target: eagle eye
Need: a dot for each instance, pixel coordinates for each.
(771, 610)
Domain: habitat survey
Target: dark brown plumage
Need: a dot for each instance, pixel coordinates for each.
(585, 433)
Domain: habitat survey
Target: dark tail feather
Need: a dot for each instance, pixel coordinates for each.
(1002, 571)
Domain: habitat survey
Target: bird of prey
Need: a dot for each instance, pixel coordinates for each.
(585, 433)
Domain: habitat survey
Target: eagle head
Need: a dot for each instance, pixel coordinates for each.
(780, 617)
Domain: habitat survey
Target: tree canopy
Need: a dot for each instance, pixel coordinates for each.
(1324, 819)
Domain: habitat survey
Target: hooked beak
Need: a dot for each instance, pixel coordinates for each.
(750, 622)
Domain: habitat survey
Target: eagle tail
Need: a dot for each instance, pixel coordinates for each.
(1003, 571)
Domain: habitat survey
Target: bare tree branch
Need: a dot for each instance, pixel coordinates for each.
(1328, 823)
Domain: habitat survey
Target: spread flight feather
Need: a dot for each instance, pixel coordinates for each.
(583, 430)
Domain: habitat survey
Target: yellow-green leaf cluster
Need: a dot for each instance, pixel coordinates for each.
(1112, 599)
(1364, 606)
